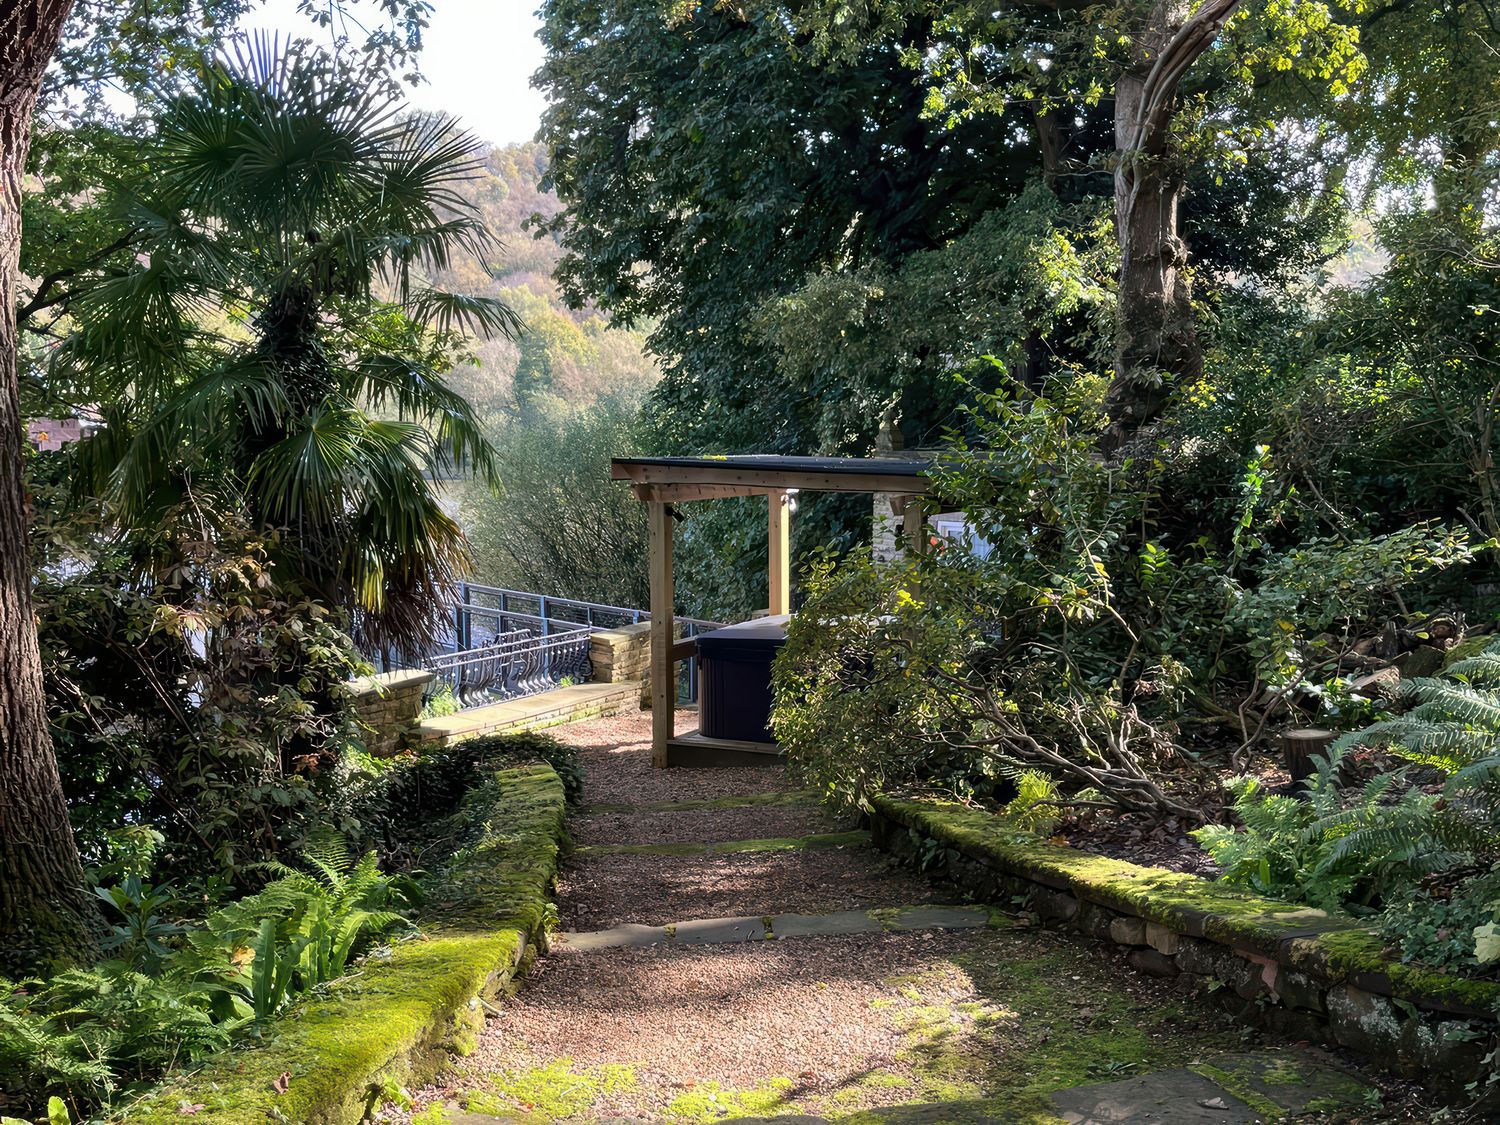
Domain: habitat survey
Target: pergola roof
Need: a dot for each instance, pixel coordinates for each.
(758, 474)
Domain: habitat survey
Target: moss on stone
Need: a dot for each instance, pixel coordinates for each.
(401, 1012)
(557, 1090)
(1343, 956)
(1182, 902)
(1241, 1088)
(731, 847)
(1276, 1087)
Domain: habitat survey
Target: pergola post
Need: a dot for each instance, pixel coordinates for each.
(780, 528)
(914, 525)
(663, 631)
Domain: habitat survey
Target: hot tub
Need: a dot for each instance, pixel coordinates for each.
(734, 679)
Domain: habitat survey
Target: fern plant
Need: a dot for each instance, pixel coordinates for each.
(1452, 725)
(1297, 848)
(93, 1036)
(298, 932)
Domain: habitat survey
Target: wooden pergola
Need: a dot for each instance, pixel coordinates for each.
(662, 482)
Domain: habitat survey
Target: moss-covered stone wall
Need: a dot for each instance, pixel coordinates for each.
(406, 1007)
(1300, 971)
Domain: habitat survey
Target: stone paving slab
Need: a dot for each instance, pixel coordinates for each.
(1167, 1097)
(718, 931)
(625, 934)
(728, 847)
(825, 925)
(1291, 1082)
(935, 918)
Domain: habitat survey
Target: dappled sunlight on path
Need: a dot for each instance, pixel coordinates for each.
(855, 1010)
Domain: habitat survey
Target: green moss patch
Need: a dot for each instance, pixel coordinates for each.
(731, 847)
(710, 1101)
(1359, 956)
(405, 1007)
(559, 1089)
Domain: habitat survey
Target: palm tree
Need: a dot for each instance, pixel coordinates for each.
(274, 347)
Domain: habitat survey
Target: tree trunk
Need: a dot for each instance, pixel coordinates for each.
(1156, 336)
(45, 912)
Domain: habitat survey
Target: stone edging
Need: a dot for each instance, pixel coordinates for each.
(398, 1016)
(1300, 971)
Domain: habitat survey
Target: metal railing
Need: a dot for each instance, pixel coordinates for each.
(513, 664)
(503, 644)
(472, 595)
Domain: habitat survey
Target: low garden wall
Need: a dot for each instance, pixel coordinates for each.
(389, 704)
(621, 655)
(404, 1009)
(1297, 970)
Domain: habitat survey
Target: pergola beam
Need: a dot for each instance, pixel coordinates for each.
(757, 480)
(681, 493)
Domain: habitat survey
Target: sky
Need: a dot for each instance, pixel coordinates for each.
(478, 59)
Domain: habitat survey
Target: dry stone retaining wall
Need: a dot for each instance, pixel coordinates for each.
(1301, 972)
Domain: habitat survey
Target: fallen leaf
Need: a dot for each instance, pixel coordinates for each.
(187, 1109)
(1214, 1103)
(283, 1082)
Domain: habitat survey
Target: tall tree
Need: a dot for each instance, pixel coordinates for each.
(45, 912)
(1156, 335)
(44, 909)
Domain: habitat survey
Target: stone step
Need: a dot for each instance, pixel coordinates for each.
(857, 838)
(749, 801)
(775, 927)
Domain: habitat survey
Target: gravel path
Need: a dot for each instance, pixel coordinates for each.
(598, 893)
(616, 757)
(976, 1025)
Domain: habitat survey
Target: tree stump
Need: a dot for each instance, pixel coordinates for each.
(1300, 746)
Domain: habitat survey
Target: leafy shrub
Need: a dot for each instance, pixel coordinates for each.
(1456, 929)
(202, 705)
(442, 702)
(961, 672)
(1081, 642)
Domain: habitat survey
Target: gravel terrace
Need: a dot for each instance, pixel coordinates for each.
(998, 1023)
